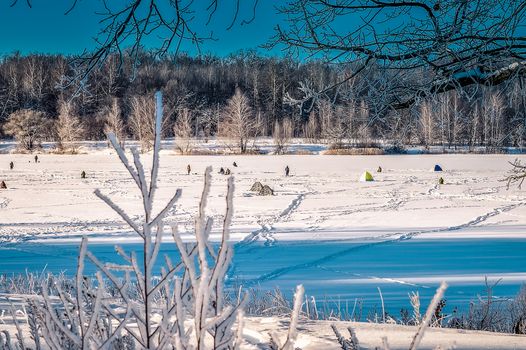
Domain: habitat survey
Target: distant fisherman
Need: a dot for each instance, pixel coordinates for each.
(287, 170)
(36, 158)
(188, 169)
(11, 165)
(222, 171)
(235, 164)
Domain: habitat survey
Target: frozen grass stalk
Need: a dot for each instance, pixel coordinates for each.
(427, 317)
(292, 334)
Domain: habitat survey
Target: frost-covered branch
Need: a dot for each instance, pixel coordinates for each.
(181, 307)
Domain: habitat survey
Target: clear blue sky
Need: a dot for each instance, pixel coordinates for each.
(45, 29)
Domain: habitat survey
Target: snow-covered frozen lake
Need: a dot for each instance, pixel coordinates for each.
(324, 228)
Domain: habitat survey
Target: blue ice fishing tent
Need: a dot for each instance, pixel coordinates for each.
(437, 168)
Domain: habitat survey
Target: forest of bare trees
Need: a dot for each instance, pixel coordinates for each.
(241, 97)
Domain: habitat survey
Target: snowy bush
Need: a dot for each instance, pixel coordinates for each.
(69, 129)
(182, 307)
(129, 305)
(28, 127)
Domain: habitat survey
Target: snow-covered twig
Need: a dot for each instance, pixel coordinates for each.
(427, 318)
(293, 326)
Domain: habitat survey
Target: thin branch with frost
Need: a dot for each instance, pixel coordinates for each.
(446, 45)
(427, 317)
(414, 298)
(183, 307)
(346, 344)
(292, 333)
(517, 174)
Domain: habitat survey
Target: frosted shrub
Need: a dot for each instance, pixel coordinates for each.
(182, 307)
(128, 305)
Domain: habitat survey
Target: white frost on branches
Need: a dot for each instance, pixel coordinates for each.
(183, 307)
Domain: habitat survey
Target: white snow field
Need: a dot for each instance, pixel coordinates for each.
(318, 335)
(323, 198)
(312, 231)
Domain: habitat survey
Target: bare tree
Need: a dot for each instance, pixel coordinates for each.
(492, 114)
(334, 128)
(69, 129)
(282, 134)
(311, 129)
(517, 174)
(28, 127)
(125, 26)
(208, 120)
(325, 111)
(426, 124)
(183, 131)
(238, 122)
(437, 47)
(113, 122)
(142, 120)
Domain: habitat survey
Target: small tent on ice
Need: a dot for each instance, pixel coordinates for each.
(437, 168)
(366, 176)
(256, 187)
(266, 191)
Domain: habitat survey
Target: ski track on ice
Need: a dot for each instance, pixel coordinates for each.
(398, 237)
(11, 233)
(267, 226)
(393, 203)
(385, 279)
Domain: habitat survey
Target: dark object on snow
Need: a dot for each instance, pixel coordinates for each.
(287, 170)
(379, 170)
(188, 169)
(3, 186)
(83, 174)
(222, 171)
(441, 181)
(256, 187)
(437, 168)
(266, 191)
(11, 165)
(520, 326)
(36, 158)
(234, 164)
(227, 172)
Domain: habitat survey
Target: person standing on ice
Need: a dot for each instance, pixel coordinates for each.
(287, 170)
(11, 165)
(36, 158)
(188, 169)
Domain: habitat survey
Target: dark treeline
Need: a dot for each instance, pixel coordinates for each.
(198, 88)
(200, 84)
